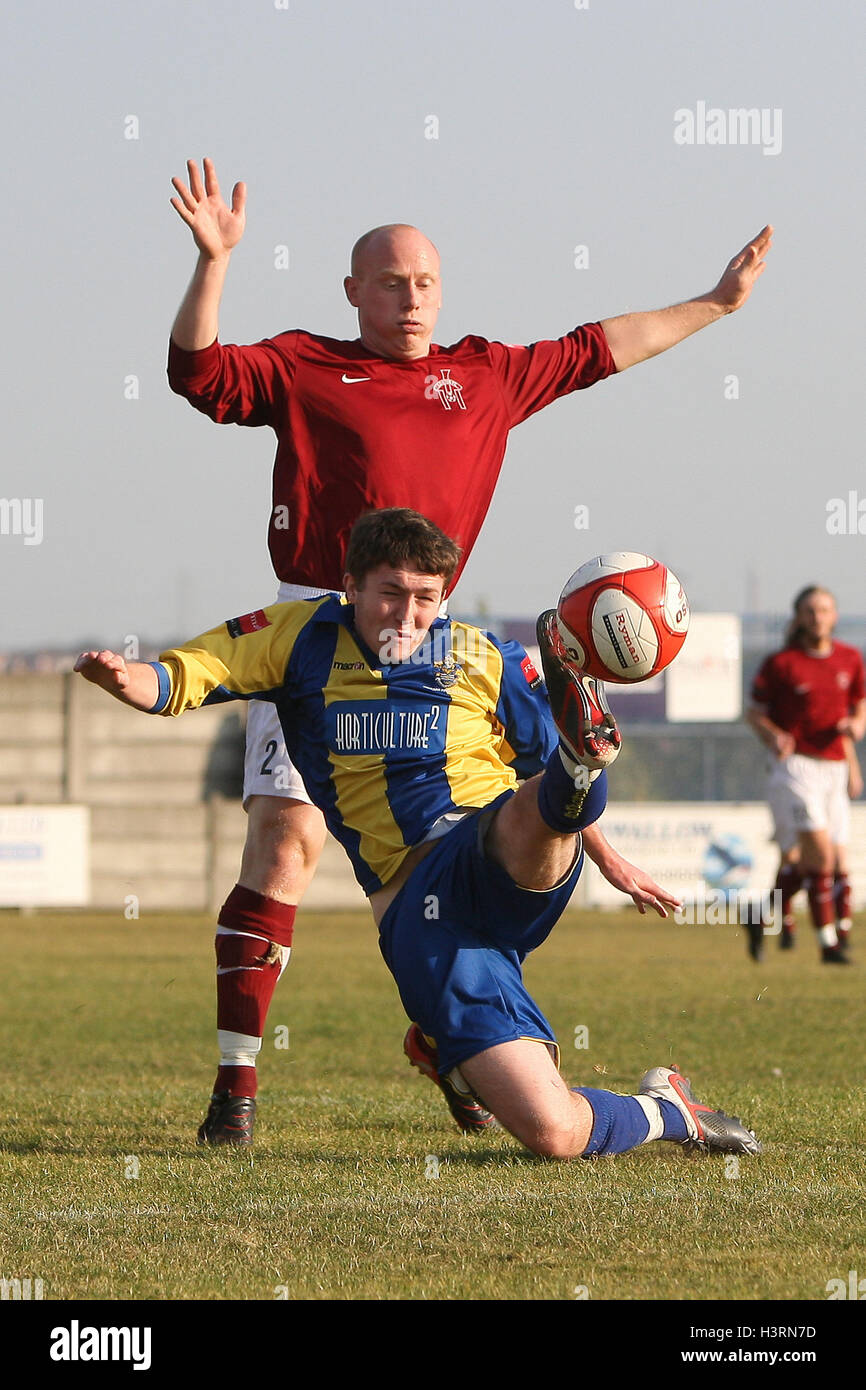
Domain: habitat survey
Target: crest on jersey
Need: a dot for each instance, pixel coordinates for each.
(446, 672)
(445, 390)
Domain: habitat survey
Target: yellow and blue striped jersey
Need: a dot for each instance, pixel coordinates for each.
(384, 750)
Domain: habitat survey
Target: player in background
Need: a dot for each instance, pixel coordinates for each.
(809, 709)
(387, 419)
(405, 726)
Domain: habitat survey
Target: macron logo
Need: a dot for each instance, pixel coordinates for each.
(76, 1343)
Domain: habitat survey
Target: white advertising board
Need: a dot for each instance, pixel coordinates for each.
(701, 850)
(705, 682)
(44, 856)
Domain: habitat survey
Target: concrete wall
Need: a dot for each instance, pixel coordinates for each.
(166, 817)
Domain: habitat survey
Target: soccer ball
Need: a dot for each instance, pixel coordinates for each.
(623, 617)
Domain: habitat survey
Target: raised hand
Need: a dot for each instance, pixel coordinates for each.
(643, 891)
(783, 743)
(105, 669)
(740, 274)
(216, 228)
(134, 683)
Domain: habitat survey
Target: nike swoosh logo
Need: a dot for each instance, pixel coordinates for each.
(349, 379)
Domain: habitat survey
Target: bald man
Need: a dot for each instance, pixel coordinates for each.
(388, 419)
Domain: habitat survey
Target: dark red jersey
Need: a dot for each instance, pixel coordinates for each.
(356, 431)
(807, 695)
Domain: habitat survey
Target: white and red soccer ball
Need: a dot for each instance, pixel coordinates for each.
(623, 617)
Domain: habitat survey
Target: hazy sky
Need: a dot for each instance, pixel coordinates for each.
(557, 128)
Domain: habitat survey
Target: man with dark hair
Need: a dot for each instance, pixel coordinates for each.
(411, 751)
(399, 536)
(383, 420)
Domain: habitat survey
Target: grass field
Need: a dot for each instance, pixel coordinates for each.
(358, 1186)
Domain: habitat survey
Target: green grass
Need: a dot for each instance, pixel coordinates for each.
(109, 1052)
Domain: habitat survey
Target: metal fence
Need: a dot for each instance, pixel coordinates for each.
(689, 762)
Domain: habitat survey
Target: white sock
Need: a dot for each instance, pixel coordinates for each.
(237, 1049)
(653, 1111)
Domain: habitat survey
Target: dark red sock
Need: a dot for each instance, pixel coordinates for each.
(789, 881)
(249, 952)
(238, 1081)
(842, 897)
(821, 905)
(244, 910)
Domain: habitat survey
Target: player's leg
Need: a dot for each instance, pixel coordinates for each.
(789, 881)
(521, 1084)
(283, 846)
(818, 859)
(785, 800)
(532, 835)
(800, 795)
(781, 919)
(839, 827)
(454, 939)
(842, 896)
(534, 854)
(285, 835)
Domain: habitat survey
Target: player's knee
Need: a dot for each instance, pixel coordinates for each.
(553, 1139)
(559, 1143)
(283, 836)
(817, 855)
(819, 863)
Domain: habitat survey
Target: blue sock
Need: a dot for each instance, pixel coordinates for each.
(620, 1122)
(673, 1121)
(564, 806)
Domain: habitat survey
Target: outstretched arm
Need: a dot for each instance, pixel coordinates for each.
(133, 683)
(624, 876)
(635, 337)
(216, 230)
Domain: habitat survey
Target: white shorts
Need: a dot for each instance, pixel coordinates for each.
(809, 794)
(268, 770)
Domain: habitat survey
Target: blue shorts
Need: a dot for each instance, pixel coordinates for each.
(455, 936)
